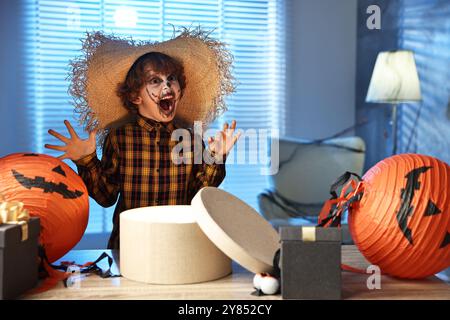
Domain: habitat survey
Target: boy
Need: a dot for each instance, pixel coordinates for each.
(136, 165)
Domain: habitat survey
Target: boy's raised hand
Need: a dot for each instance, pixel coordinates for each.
(224, 140)
(74, 148)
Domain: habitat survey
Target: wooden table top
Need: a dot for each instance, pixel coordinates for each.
(236, 286)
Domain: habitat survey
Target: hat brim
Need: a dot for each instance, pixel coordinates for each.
(106, 60)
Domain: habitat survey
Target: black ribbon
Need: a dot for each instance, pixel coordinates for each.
(333, 214)
(92, 268)
(342, 180)
(96, 269)
(276, 264)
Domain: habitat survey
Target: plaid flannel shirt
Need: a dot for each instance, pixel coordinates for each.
(136, 167)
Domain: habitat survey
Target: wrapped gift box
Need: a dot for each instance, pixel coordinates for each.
(18, 258)
(310, 263)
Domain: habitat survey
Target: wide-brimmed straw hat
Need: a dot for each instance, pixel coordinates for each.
(105, 62)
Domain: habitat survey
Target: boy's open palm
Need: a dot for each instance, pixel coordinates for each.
(74, 148)
(224, 140)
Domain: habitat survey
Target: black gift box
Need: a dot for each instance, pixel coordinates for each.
(310, 263)
(18, 259)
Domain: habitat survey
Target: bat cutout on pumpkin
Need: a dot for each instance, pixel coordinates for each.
(406, 209)
(446, 241)
(46, 186)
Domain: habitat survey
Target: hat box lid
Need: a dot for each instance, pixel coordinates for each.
(236, 229)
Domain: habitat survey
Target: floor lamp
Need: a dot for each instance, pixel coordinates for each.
(394, 80)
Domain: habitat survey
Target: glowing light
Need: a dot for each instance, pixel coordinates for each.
(125, 17)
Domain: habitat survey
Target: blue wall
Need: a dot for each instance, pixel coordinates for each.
(377, 132)
(320, 70)
(13, 120)
(424, 27)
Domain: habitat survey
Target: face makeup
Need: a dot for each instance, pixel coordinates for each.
(160, 97)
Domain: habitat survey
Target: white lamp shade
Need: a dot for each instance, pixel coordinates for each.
(394, 78)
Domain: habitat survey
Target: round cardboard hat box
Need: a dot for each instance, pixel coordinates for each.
(189, 244)
(165, 245)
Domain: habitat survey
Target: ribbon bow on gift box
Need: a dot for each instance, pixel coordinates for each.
(13, 212)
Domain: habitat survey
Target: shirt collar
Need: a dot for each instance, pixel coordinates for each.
(150, 124)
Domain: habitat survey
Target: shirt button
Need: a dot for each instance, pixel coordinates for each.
(157, 170)
(156, 201)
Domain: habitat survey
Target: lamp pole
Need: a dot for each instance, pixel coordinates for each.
(394, 128)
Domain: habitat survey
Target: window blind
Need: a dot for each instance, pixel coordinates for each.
(252, 29)
(424, 28)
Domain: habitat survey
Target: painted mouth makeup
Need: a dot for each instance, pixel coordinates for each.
(167, 105)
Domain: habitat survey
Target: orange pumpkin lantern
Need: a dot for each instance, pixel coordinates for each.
(52, 191)
(399, 215)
